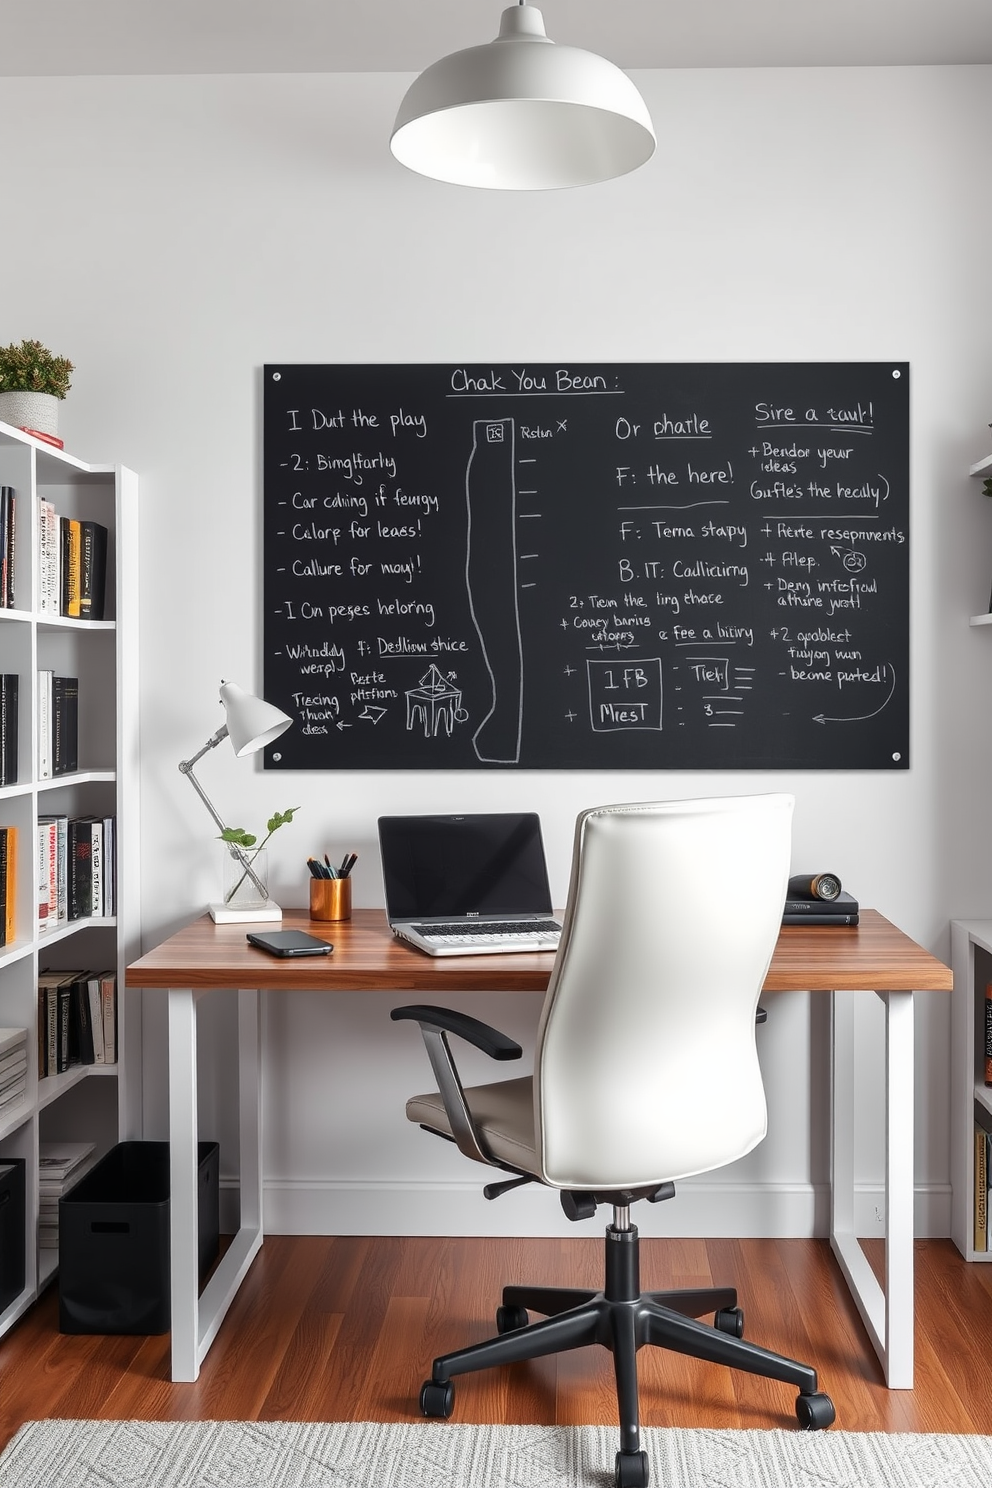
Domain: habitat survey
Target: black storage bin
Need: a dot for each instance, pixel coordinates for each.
(114, 1239)
(11, 1229)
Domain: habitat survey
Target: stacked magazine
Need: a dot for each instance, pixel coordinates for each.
(13, 1065)
(60, 1167)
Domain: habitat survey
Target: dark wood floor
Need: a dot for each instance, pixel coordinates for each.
(345, 1329)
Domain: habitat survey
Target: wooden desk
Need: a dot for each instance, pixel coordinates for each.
(204, 957)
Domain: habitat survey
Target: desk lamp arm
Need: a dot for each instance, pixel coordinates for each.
(186, 768)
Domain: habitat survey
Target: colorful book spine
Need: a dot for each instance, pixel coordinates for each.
(44, 725)
(65, 725)
(8, 885)
(93, 571)
(8, 506)
(9, 683)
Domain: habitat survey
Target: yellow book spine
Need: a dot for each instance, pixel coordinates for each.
(75, 568)
(10, 886)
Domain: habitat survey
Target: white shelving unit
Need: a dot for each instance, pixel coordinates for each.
(98, 1103)
(971, 1099)
(983, 469)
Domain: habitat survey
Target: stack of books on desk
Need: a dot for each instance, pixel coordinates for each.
(60, 1167)
(844, 910)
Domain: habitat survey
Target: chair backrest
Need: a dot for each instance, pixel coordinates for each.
(646, 1066)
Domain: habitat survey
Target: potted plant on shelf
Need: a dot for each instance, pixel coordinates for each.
(33, 381)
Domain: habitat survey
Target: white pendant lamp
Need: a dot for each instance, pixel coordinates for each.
(522, 114)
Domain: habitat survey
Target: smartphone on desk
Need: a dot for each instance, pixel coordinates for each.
(289, 943)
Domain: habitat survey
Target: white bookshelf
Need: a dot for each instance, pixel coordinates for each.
(98, 1103)
(971, 1098)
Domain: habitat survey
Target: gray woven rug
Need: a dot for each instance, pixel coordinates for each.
(430, 1454)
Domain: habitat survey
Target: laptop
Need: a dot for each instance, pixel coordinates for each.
(468, 885)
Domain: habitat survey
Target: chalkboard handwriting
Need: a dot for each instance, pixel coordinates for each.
(512, 583)
(528, 384)
(857, 419)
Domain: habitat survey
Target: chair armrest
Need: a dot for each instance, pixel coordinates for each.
(435, 1025)
(497, 1045)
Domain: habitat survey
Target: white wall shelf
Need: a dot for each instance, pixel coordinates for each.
(98, 1103)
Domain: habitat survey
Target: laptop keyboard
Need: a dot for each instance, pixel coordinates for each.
(493, 932)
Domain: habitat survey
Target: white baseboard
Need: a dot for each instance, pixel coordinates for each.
(713, 1210)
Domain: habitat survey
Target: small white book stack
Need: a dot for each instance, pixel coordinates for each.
(13, 1065)
(60, 1167)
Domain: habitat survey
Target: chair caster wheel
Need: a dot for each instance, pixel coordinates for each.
(437, 1400)
(632, 1470)
(509, 1319)
(815, 1412)
(730, 1320)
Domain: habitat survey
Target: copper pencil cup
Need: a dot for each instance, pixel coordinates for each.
(330, 898)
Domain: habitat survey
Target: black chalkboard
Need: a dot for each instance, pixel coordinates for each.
(591, 566)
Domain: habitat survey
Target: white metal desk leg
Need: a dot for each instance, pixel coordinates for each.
(887, 1314)
(183, 1183)
(250, 1103)
(899, 1145)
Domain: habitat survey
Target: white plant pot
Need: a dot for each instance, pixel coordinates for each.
(31, 411)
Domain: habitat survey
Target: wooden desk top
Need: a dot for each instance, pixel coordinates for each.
(873, 956)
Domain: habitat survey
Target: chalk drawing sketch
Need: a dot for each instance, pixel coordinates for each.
(435, 701)
(491, 581)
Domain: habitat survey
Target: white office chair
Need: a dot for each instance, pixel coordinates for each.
(645, 1071)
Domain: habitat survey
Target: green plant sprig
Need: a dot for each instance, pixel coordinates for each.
(32, 368)
(240, 838)
(987, 486)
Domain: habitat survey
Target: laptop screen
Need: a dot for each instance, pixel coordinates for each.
(438, 867)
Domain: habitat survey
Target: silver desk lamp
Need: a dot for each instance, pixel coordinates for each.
(250, 724)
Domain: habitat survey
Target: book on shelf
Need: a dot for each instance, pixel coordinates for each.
(8, 884)
(53, 885)
(60, 1167)
(45, 724)
(92, 570)
(59, 1161)
(70, 554)
(14, 1057)
(52, 439)
(80, 868)
(94, 998)
(77, 1020)
(11, 1094)
(981, 1235)
(8, 508)
(82, 1048)
(65, 725)
(988, 1033)
(13, 1064)
(9, 683)
(55, 1049)
(48, 558)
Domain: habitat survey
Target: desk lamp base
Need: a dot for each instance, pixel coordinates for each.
(267, 913)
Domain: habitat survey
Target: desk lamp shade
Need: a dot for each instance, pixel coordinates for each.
(523, 114)
(251, 722)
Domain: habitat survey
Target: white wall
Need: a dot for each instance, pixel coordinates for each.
(173, 234)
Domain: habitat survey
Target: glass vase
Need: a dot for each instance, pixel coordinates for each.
(246, 877)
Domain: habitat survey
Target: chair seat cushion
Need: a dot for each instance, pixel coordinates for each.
(503, 1112)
